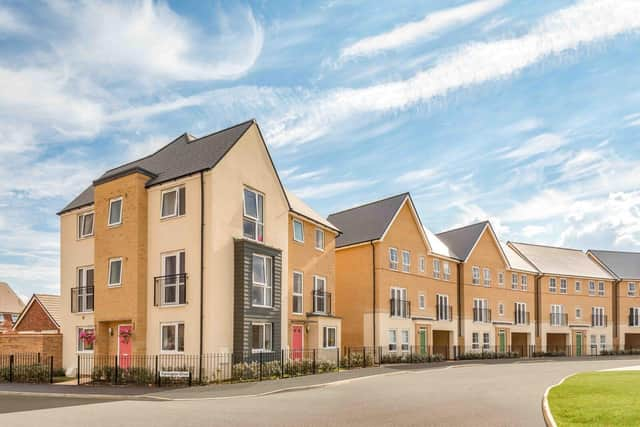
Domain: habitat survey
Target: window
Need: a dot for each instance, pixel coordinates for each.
(514, 281)
(261, 294)
(578, 313)
(631, 289)
(487, 277)
(14, 318)
(253, 220)
(436, 268)
(261, 337)
(406, 261)
(501, 279)
(297, 292)
(298, 231)
(598, 318)
(86, 338)
(578, 287)
(172, 337)
(393, 258)
(521, 314)
(329, 337)
(319, 239)
(524, 281)
(481, 310)
(173, 203)
(173, 290)
(557, 315)
(475, 271)
(475, 341)
(634, 316)
(319, 294)
(399, 303)
(404, 334)
(84, 301)
(563, 286)
(593, 343)
(442, 308)
(592, 287)
(393, 340)
(421, 264)
(447, 271)
(485, 341)
(603, 342)
(552, 284)
(115, 272)
(600, 289)
(421, 301)
(115, 211)
(501, 309)
(85, 225)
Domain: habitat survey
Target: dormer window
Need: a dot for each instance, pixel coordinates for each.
(173, 203)
(253, 220)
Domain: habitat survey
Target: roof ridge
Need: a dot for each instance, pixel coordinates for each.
(486, 221)
(221, 130)
(613, 252)
(406, 193)
(549, 246)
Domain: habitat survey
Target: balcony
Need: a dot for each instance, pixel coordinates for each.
(598, 321)
(82, 299)
(521, 318)
(399, 308)
(444, 312)
(170, 290)
(482, 315)
(558, 319)
(321, 302)
(634, 318)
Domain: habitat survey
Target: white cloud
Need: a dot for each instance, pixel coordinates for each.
(417, 176)
(566, 30)
(530, 231)
(11, 23)
(323, 191)
(306, 176)
(543, 143)
(428, 27)
(525, 125)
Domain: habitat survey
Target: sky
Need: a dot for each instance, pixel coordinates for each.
(523, 112)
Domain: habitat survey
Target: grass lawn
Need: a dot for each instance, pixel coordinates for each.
(597, 399)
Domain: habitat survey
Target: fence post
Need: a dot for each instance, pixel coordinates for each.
(39, 360)
(261, 366)
(157, 372)
(364, 357)
(281, 363)
(410, 354)
(314, 361)
(115, 370)
(349, 357)
(338, 358)
(78, 370)
(189, 377)
(11, 368)
(50, 369)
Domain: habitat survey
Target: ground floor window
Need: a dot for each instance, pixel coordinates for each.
(329, 337)
(393, 340)
(261, 337)
(485, 341)
(86, 338)
(603, 342)
(593, 342)
(172, 337)
(405, 340)
(475, 341)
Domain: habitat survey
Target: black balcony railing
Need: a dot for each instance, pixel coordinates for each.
(482, 315)
(599, 321)
(444, 312)
(170, 290)
(559, 319)
(400, 308)
(521, 317)
(82, 299)
(321, 302)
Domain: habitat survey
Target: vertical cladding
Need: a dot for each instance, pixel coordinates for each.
(244, 312)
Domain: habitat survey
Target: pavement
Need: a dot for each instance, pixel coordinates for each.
(472, 394)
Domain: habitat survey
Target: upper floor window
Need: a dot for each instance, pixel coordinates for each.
(436, 268)
(298, 231)
(514, 281)
(525, 283)
(85, 225)
(578, 313)
(297, 292)
(563, 286)
(319, 239)
(475, 271)
(421, 301)
(262, 281)
(601, 289)
(393, 258)
(592, 287)
(631, 289)
(447, 271)
(578, 287)
(501, 279)
(173, 203)
(253, 220)
(552, 284)
(115, 272)
(487, 277)
(421, 264)
(406, 261)
(501, 309)
(115, 211)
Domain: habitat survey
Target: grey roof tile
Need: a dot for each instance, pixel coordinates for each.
(625, 265)
(462, 240)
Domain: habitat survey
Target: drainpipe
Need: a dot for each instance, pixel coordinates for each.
(373, 259)
(460, 302)
(615, 292)
(201, 268)
(538, 302)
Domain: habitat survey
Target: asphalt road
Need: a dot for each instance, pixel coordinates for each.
(471, 395)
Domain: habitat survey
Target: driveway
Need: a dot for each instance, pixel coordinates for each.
(469, 395)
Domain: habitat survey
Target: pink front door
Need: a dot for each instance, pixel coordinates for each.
(296, 342)
(124, 345)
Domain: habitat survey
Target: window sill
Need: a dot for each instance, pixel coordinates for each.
(261, 306)
(114, 225)
(171, 352)
(170, 217)
(84, 237)
(172, 305)
(260, 351)
(114, 286)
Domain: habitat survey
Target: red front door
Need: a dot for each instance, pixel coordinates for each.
(296, 342)
(124, 345)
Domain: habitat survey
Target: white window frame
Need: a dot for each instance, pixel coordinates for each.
(500, 309)
(475, 341)
(317, 288)
(294, 223)
(176, 347)
(78, 340)
(442, 303)
(295, 294)
(635, 317)
(177, 207)
(400, 295)
(82, 285)
(264, 348)
(258, 221)
(180, 269)
(319, 241)
(421, 264)
(514, 281)
(111, 203)
(603, 342)
(578, 313)
(326, 336)
(482, 307)
(421, 300)
(524, 282)
(599, 314)
(267, 286)
(486, 277)
(446, 268)
(558, 310)
(436, 268)
(80, 224)
(521, 313)
(406, 261)
(393, 340)
(592, 287)
(553, 285)
(393, 258)
(564, 286)
(404, 340)
(501, 279)
(486, 341)
(111, 261)
(601, 289)
(578, 286)
(475, 275)
(631, 289)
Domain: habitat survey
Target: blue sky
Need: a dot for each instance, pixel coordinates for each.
(526, 113)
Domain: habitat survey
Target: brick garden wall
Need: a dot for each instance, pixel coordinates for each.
(45, 344)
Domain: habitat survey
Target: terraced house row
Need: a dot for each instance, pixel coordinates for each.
(198, 248)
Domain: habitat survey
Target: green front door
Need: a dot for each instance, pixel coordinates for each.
(578, 344)
(423, 341)
(503, 342)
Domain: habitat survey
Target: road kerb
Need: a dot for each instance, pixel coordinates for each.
(546, 411)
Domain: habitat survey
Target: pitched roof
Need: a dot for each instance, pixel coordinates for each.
(625, 265)
(560, 261)
(438, 247)
(183, 156)
(462, 240)
(301, 208)
(366, 222)
(9, 300)
(516, 261)
(50, 304)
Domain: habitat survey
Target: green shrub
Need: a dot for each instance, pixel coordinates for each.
(488, 355)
